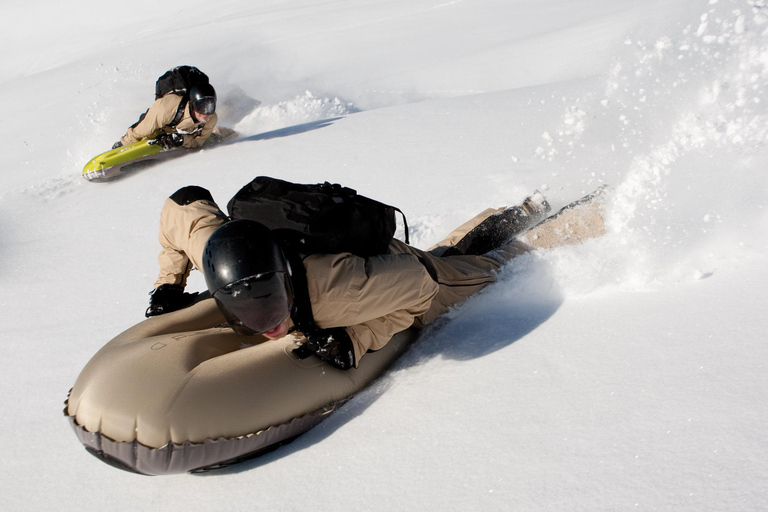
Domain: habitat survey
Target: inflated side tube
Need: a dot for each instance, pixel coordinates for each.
(178, 393)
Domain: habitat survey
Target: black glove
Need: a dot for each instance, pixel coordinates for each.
(170, 140)
(333, 346)
(117, 144)
(168, 297)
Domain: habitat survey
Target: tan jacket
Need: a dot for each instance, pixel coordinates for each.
(374, 298)
(161, 114)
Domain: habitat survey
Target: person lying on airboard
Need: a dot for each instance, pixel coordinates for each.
(340, 306)
(189, 127)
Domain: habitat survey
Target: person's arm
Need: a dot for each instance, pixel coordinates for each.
(174, 266)
(187, 220)
(374, 298)
(160, 114)
(197, 140)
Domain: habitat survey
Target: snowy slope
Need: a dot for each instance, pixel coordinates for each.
(625, 374)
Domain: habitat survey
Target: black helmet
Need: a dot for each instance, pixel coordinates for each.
(202, 99)
(247, 273)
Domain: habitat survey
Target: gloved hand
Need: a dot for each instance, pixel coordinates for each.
(170, 140)
(333, 346)
(117, 144)
(168, 297)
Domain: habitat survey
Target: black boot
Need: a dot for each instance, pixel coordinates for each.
(501, 227)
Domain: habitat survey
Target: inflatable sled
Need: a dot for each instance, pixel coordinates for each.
(178, 393)
(139, 155)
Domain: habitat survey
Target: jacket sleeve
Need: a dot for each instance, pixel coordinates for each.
(160, 114)
(197, 140)
(184, 231)
(374, 298)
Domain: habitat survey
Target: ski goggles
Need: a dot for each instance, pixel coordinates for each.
(256, 304)
(205, 106)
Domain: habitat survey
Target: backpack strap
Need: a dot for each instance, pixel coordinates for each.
(405, 223)
(324, 343)
(301, 314)
(180, 111)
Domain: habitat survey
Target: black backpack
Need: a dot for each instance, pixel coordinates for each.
(322, 218)
(179, 81)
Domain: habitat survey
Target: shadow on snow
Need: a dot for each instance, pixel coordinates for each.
(288, 131)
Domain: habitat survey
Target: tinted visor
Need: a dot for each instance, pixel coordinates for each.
(256, 304)
(205, 106)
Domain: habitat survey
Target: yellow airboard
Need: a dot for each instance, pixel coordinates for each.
(117, 162)
(96, 168)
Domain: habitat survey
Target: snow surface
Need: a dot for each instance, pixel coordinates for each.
(629, 373)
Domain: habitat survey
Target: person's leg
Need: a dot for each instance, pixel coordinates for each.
(461, 276)
(459, 233)
(573, 224)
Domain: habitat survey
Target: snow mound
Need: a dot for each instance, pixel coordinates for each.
(304, 108)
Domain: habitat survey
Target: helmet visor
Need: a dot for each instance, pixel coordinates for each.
(205, 106)
(256, 304)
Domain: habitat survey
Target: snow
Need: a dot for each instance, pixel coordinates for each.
(628, 373)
